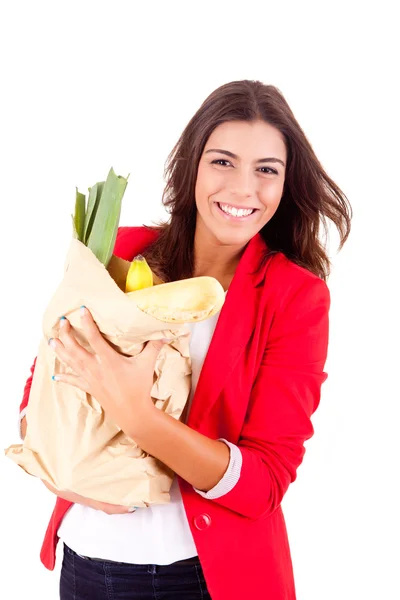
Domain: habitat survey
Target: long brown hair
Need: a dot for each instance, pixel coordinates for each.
(310, 197)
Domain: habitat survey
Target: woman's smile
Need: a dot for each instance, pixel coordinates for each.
(233, 213)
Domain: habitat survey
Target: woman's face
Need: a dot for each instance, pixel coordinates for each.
(242, 168)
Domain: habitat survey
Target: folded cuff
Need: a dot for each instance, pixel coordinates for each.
(231, 476)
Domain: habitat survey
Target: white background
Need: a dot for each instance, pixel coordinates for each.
(89, 85)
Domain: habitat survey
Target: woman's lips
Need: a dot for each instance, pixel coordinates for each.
(233, 218)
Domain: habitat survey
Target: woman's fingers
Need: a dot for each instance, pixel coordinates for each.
(97, 342)
(110, 509)
(78, 382)
(68, 339)
(68, 349)
(72, 353)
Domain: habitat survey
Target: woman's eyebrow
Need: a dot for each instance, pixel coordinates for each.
(232, 155)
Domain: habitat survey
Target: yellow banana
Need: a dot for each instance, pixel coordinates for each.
(139, 275)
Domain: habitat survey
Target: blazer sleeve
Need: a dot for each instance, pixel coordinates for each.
(27, 389)
(285, 394)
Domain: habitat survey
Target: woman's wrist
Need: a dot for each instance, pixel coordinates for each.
(141, 419)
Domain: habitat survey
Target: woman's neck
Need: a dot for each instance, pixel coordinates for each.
(212, 259)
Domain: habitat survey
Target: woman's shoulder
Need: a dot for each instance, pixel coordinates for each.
(289, 281)
(133, 240)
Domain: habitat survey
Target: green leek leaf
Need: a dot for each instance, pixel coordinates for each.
(74, 232)
(101, 239)
(79, 218)
(93, 202)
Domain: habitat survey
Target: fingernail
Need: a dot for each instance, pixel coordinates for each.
(83, 310)
(55, 378)
(62, 321)
(165, 340)
(132, 508)
(52, 342)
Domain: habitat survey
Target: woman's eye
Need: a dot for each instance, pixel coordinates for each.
(270, 170)
(221, 160)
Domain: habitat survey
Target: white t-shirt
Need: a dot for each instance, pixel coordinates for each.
(159, 534)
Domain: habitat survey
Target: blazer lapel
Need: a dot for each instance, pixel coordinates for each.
(234, 327)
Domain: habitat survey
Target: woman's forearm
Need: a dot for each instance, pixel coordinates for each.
(196, 458)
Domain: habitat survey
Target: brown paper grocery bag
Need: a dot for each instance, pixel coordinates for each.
(69, 443)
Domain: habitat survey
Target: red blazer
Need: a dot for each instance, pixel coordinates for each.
(258, 388)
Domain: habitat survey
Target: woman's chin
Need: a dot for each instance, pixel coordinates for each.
(227, 237)
(225, 233)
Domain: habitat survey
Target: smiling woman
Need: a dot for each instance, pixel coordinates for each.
(240, 184)
(244, 149)
(247, 197)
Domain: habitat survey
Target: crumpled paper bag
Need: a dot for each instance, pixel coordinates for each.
(69, 443)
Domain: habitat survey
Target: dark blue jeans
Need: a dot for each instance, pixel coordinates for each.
(94, 579)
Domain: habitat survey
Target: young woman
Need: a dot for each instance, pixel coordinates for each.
(247, 197)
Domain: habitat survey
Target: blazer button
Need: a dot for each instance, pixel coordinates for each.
(202, 521)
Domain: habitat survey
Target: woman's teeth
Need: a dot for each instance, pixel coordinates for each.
(235, 212)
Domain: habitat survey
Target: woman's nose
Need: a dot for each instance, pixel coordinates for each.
(243, 182)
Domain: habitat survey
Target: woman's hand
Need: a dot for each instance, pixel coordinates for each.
(23, 427)
(110, 509)
(122, 385)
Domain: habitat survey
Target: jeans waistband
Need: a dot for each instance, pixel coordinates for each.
(194, 560)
